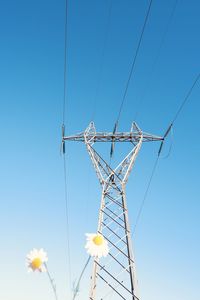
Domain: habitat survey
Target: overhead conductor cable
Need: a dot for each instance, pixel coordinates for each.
(130, 73)
(161, 146)
(63, 143)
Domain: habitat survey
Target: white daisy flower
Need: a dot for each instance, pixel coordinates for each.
(36, 260)
(96, 245)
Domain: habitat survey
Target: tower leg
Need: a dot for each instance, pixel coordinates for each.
(117, 271)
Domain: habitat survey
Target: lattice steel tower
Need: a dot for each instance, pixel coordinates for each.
(116, 272)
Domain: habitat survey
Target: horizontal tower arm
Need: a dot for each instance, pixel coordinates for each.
(117, 137)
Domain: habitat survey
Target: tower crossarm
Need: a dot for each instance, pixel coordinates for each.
(117, 137)
(90, 135)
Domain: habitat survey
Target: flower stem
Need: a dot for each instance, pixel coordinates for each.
(51, 282)
(79, 280)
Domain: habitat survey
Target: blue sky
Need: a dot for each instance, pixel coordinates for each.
(166, 243)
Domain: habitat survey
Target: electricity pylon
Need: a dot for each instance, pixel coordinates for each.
(117, 270)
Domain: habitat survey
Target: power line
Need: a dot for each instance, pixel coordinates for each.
(134, 60)
(102, 57)
(65, 61)
(67, 221)
(145, 194)
(157, 56)
(160, 149)
(130, 75)
(186, 98)
(63, 144)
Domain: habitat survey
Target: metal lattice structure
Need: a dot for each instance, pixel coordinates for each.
(116, 273)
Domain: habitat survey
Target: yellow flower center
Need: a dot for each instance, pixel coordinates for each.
(98, 240)
(36, 263)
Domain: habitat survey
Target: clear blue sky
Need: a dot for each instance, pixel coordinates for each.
(32, 212)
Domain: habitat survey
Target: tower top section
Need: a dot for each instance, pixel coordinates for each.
(132, 136)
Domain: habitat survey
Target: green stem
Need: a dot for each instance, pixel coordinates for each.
(51, 282)
(79, 280)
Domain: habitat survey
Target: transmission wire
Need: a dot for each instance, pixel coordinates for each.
(130, 75)
(67, 221)
(102, 58)
(145, 194)
(186, 98)
(134, 61)
(65, 63)
(63, 128)
(159, 152)
(157, 56)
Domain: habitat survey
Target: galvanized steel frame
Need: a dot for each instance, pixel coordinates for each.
(113, 221)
